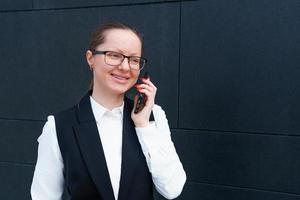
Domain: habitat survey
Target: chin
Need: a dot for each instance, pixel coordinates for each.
(120, 90)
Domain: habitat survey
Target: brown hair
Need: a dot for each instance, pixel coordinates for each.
(98, 36)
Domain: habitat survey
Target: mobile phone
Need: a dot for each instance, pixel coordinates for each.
(141, 98)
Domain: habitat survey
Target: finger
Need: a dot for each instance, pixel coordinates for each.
(148, 82)
(145, 86)
(147, 93)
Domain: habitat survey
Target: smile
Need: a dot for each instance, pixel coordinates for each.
(120, 77)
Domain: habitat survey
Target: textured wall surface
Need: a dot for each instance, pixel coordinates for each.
(227, 74)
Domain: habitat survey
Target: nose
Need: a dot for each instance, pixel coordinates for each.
(125, 65)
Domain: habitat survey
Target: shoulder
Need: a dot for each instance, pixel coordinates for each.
(48, 128)
(66, 112)
(65, 117)
(57, 123)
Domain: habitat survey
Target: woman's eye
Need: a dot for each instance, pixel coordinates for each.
(135, 61)
(115, 56)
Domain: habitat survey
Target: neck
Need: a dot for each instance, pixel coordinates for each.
(106, 99)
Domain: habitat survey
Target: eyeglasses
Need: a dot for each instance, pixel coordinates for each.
(114, 59)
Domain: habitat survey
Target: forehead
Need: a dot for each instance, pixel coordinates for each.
(125, 40)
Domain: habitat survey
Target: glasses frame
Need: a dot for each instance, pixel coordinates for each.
(142, 64)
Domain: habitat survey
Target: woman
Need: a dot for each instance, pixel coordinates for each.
(100, 148)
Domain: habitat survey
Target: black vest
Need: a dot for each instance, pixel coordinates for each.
(85, 170)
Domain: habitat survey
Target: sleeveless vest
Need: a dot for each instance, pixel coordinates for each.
(85, 170)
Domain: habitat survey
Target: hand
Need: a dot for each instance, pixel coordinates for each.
(141, 119)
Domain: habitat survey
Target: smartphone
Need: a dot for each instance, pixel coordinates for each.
(141, 97)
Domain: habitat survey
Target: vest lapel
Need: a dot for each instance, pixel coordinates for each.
(91, 148)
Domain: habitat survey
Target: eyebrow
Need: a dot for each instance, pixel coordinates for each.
(122, 52)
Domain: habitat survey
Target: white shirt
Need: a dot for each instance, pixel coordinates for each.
(163, 162)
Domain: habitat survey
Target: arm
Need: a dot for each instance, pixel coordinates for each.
(48, 180)
(167, 172)
(163, 162)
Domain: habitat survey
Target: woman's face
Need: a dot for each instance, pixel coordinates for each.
(115, 79)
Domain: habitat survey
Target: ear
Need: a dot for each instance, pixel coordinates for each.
(89, 58)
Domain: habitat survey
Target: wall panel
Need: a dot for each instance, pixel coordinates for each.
(267, 162)
(18, 141)
(239, 66)
(15, 5)
(44, 62)
(15, 181)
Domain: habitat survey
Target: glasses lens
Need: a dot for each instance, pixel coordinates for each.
(113, 58)
(135, 62)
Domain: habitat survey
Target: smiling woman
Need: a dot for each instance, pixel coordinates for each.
(100, 148)
(112, 30)
(114, 78)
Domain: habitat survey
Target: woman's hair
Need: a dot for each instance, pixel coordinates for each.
(98, 36)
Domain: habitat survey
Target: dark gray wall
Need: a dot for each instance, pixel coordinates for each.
(228, 79)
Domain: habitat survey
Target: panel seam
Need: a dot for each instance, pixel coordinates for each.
(239, 132)
(179, 66)
(27, 164)
(244, 188)
(87, 7)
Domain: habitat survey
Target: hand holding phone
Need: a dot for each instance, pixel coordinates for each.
(141, 97)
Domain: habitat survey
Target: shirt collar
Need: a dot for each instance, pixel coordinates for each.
(100, 110)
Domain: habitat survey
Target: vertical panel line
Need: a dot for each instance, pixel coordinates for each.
(179, 66)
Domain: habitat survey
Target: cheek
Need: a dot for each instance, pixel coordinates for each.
(101, 69)
(135, 77)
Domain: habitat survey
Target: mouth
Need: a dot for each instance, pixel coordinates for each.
(121, 78)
